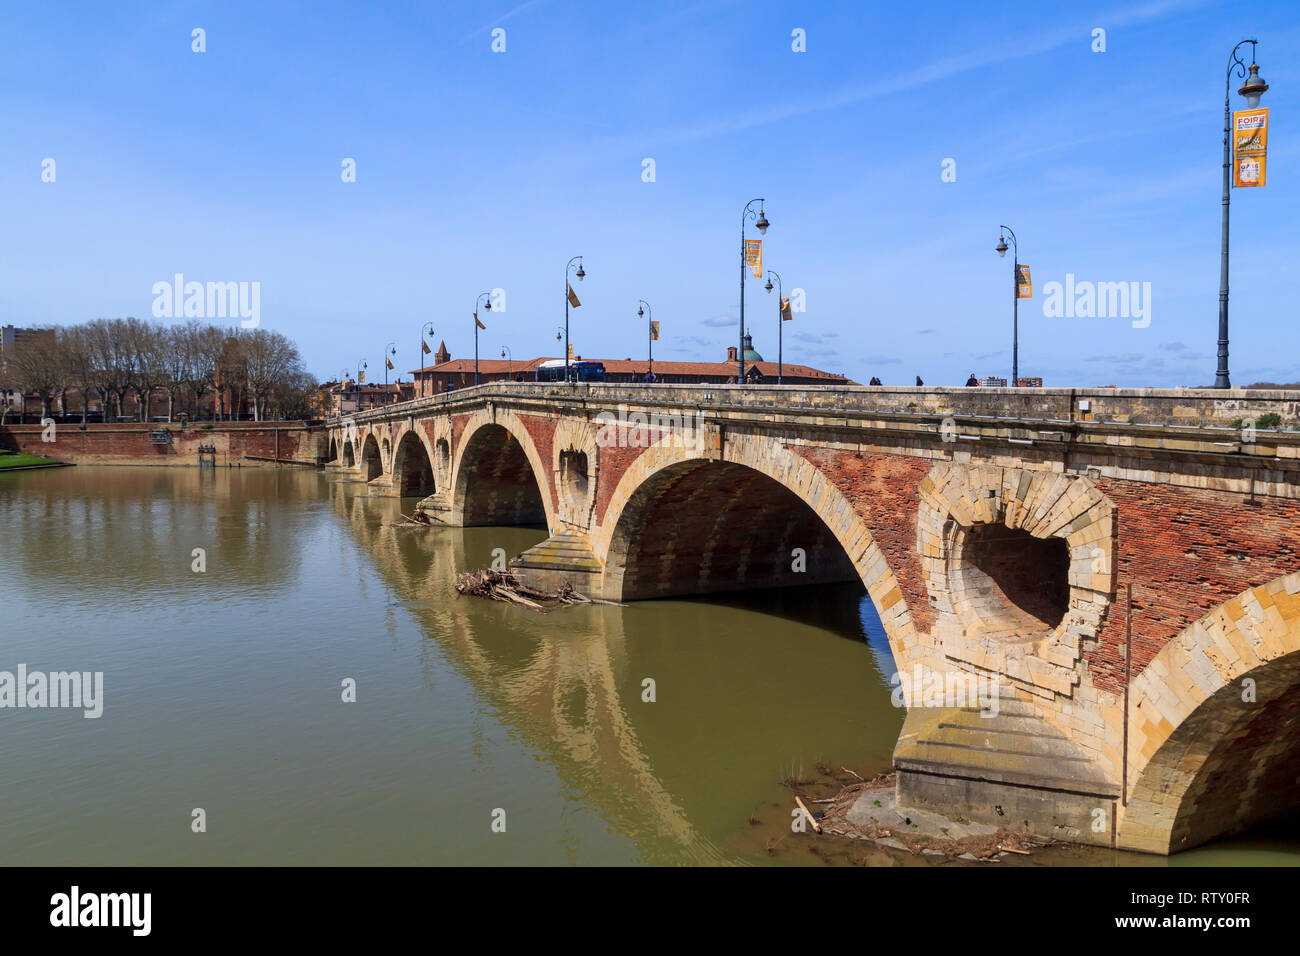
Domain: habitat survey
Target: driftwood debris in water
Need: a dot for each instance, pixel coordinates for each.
(418, 520)
(504, 586)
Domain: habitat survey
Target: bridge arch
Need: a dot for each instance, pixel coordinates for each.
(498, 477)
(413, 465)
(372, 465)
(349, 456)
(1214, 746)
(677, 504)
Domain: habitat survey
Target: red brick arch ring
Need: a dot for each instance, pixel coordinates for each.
(671, 466)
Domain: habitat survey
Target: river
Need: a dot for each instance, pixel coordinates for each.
(480, 733)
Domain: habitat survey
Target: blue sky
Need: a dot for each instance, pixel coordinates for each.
(478, 170)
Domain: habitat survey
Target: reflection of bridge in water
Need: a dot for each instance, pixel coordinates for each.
(568, 684)
(1122, 561)
(563, 695)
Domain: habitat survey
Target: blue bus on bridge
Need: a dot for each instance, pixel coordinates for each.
(579, 371)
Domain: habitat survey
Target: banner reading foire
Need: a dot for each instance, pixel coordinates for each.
(1249, 147)
(754, 256)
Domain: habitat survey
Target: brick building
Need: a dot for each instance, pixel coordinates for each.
(447, 374)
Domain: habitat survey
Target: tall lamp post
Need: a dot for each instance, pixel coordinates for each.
(1015, 299)
(761, 225)
(477, 326)
(642, 311)
(1251, 90)
(426, 329)
(580, 274)
(510, 365)
(389, 349)
(361, 364)
(780, 320)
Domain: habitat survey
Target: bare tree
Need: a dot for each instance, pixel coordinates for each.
(79, 353)
(270, 359)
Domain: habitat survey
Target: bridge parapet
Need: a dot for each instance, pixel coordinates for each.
(1181, 407)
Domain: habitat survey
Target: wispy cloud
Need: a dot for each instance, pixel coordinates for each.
(500, 20)
(1014, 48)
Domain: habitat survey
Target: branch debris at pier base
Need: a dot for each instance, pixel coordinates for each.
(504, 586)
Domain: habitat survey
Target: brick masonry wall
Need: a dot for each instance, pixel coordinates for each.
(883, 490)
(128, 444)
(542, 430)
(1186, 551)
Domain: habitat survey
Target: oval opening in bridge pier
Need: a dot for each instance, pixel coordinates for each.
(1014, 585)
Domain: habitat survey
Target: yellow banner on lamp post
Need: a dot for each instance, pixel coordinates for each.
(1024, 288)
(1249, 147)
(654, 331)
(785, 309)
(754, 256)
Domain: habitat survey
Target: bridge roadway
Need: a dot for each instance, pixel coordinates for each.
(1122, 565)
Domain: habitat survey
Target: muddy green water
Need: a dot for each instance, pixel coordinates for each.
(223, 691)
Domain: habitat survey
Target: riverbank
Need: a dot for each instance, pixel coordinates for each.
(21, 461)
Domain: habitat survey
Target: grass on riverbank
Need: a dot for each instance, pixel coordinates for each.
(18, 459)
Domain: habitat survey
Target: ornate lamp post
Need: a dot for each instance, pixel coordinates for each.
(642, 311)
(426, 329)
(1251, 90)
(581, 275)
(1015, 299)
(486, 308)
(505, 351)
(780, 319)
(761, 225)
(361, 365)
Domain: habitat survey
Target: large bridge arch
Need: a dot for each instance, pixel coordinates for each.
(498, 477)
(372, 464)
(1213, 721)
(413, 469)
(674, 473)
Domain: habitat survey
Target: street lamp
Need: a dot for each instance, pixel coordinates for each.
(427, 329)
(477, 326)
(780, 319)
(642, 311)
(361, 364)
(761, 225)
(505, 351)
(1015, 299)
(389, 349)
(1251, 90)
(581, 275)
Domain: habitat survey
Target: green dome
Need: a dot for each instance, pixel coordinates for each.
(749, 354)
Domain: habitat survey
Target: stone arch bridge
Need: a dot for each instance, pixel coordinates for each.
(1092, 598)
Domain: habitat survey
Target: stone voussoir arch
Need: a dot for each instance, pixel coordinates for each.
(1191, 697)
(483, 418)
(774, 459)
(407, 427)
